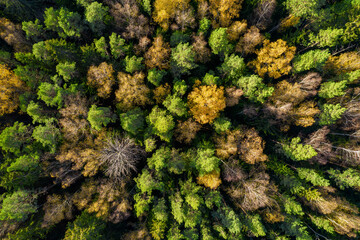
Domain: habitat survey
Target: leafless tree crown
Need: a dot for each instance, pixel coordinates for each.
(120, 157)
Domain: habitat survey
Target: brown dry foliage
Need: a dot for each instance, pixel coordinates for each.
(233, 96)
(226, 145)
(252, 193)
(128, 19)
(186, 131)
(132, 91)
(250, 40)
(344, 63)
(73, 117)
(202, 52)
(13, 35)
(321, 144)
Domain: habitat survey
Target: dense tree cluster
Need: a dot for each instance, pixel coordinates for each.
(179, 119)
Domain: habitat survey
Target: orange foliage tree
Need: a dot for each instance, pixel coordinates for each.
(274, 59)
(10, 88)
(205, 103)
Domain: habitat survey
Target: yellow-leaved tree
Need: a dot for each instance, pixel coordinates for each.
(273, 59)
(164, 10)
(132, 91)
(224, 11)
(158, 54)
(206, 102)
(101, 78)
(10, 88)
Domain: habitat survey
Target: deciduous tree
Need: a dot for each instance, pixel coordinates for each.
(274, 59)
(101, 78)
(10, 88)
(224, 11)
(132, 91)
(158, 54)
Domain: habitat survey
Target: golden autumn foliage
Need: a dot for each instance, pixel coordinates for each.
(104, 198)
(273, 59)
(10, 88)
(158, 54)
(304, 114)
(164, 11)
(224, 11)
(226, 145)
(161, 92)
(132, 91)
(186, 131)
(206, 102)
(344, 63)
(251, 147)
(83, 155)
(211, 180)
(12, 34)
(236, 29)
(101, 78)
(290, 21)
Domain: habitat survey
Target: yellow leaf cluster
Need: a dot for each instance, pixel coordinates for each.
(132, 91)
(344, 63)
(251, 147)
(211, 180)
(226, 145)
(224, 11)
(304, 114)
(158, 54)
(236, 29)
(101, 78)
(274, 59)
(206, 102)
(161, 92)
(10, 88)
(290, 21)
(164, 11)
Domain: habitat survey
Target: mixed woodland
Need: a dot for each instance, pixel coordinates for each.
(179, 119)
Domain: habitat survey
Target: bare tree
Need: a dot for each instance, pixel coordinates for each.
(262, 14)
(120, 156)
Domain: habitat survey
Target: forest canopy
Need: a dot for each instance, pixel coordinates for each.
(179, 120)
